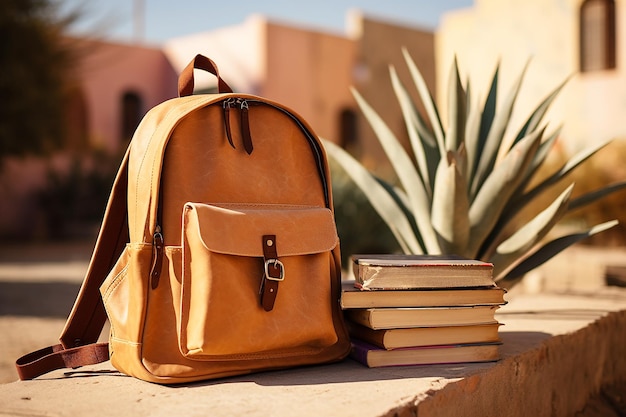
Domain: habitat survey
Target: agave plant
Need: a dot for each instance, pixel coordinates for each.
(467, 187)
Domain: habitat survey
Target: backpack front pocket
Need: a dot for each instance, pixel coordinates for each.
(233, 254)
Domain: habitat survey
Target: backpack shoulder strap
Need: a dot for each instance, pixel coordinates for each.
(78, 345)
(88, 316)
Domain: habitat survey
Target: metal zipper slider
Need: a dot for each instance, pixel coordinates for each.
(157, 257)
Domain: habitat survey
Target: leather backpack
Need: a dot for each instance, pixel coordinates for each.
(218, 254)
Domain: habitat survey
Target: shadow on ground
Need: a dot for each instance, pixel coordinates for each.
(37, 299)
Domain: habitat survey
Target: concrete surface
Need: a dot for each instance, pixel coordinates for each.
(561, 352)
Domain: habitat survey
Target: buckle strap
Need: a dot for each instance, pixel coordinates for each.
(54, 357)
(274, 273)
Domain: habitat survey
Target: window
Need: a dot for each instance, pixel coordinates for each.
(76, 119)
(597, 35)
(131, 114)
(347, 128)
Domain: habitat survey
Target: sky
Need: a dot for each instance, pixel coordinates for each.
(166, 19)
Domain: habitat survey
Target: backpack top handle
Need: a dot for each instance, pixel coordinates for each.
(186, 80)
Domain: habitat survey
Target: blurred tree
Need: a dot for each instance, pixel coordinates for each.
(34, 59)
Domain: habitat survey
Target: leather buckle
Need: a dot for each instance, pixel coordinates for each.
(274, 273)
(276, 264)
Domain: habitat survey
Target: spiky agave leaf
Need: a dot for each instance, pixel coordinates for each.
(492, 197)
(523, 197)
(527, 236)
(489, 155)
(508, 279)
(568, 167)
(476, 145)
(431, 150)
(593, 196)
(515, 205)
(427, 100)
(400, 197)
(406, 172)
(533, 123)
(416, 131)
(472, 138)
(542, 153)
(384, 204)
(450, 207)
(537, 115)
(460, 157)
(457, 110)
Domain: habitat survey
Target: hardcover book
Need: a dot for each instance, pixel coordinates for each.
(353, 297)
(385, 272)
(425, 336)
(403, 317)
(374, 357)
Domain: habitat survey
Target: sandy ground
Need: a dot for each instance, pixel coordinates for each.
(38, 285)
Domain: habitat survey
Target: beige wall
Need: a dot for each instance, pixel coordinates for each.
(546, 32)
(239, 52)
(310, 72)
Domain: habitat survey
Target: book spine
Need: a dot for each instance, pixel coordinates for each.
(375, 337)
(359, 352)
(360, 316)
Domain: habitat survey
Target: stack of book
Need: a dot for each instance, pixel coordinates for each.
(416, 310)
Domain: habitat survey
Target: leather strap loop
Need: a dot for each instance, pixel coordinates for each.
(186, 80)
(273, 273)
(245, 130)
(54, 357)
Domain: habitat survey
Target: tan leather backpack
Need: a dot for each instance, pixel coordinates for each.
(218, 254)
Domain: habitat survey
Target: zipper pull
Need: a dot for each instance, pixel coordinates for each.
(226, 105)
(245, 127)
(157, 257)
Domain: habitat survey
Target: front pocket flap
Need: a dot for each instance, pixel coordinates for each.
(237, 229)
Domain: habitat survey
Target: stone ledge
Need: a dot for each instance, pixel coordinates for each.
(558, 377)
(558, 352)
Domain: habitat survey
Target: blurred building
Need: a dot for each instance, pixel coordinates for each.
(584, 39)
(312, 71)
(110, 89)
(309, 70)
(115, 85)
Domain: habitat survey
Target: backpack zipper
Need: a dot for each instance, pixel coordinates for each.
(242, 104)
(226, 105)
(157, 257)
(245, 127)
